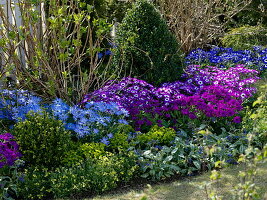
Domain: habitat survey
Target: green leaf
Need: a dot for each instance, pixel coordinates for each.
(168, 158)
(197, 164)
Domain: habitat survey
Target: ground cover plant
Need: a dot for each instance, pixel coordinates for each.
(63, 139)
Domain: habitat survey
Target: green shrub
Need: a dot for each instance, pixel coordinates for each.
(93, 150)
(255, 121)
(40, 183)
(43, 141)
(91, 176)
(245, 37)
(119, 140)
(87, 177)
(156, 135)
(36, 184)
(125, 165)
(124, 162)
(145, 47)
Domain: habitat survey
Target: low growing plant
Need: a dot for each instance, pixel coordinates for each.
(43, 140)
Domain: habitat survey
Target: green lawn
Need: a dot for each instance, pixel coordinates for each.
(191, 188)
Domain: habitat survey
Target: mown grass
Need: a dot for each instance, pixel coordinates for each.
(192, 188)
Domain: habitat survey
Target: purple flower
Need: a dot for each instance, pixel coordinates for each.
(9, 150)
(237, 119)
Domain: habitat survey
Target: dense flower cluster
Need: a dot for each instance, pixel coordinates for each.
(211, 91)
(237, 80)
(228, 57)
(9, 150)
(134, 95)
(94, 118)
(15, 104)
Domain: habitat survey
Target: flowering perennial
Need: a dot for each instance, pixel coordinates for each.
(15, 104)
(9, 150)
(256, 58)
(211, 91)
(93, 118)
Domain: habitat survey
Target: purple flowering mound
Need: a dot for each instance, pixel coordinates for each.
(202, 92)
(9, 150)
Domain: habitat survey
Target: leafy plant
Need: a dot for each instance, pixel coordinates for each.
(58, 44)
(156, 136)
(245, 37)
(145, 47)
(43, 141)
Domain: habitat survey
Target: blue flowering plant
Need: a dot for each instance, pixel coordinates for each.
(92, 121)
(15, 104)
(227, 57)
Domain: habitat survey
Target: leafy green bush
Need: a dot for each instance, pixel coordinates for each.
(124, 161)
(40, 183)
(43, 141)
(93, 150)
(255, 121)
(156, 135)
(145, 46)
(91, 176)
(87, 177)
(36, 184)
(245, 37)
(119, 140)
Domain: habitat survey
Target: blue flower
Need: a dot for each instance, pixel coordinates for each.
(123, 121)
(105, 141)
(108, 52)
(110, 135)
(100, 55)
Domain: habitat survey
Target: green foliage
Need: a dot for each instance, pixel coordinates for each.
(120, 141)
(156, 135)
(87, 177)
(145, 47)
(73, 157)
(255, 121)
(9, 179)
(62, 182)
(43, 141)
(253, 14)
(181, 158)
(245, 37)
(91, 176)
(124, 162)
(93, 150)
(36, 184)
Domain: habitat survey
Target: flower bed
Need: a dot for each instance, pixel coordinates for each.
(125, 130)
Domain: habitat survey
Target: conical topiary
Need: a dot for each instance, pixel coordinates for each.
(145, 48)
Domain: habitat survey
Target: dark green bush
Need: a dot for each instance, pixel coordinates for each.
(145, 47)
(245, 37)
(43, 141)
